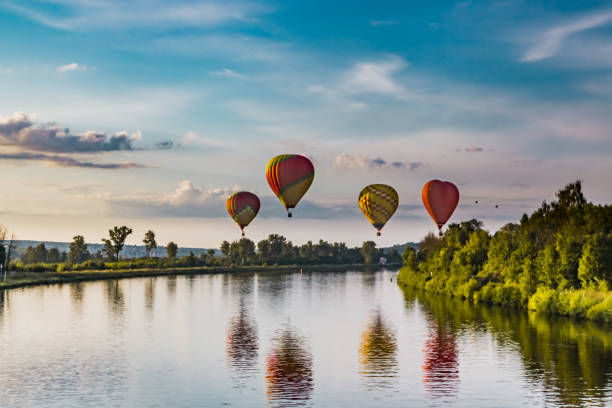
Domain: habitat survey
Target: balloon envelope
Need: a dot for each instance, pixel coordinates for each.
(290, 176)
(242, 207)
(440, 199)
(378, 202)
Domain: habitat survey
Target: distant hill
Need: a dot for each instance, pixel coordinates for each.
(400, 248)
(129, 251)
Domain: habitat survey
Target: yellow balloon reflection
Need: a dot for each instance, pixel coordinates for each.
(289, 370)
(378, 353)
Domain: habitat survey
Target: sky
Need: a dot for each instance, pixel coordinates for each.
(150, 113)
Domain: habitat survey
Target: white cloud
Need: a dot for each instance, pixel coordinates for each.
(229, 73)
(71, 67)
(376, 77)
(549, 42)
(187, 200)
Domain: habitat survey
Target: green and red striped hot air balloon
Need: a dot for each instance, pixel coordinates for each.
(242, 207)
(290, 176)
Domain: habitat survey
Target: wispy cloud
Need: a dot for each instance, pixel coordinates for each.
(229, 73)
(360, 161)
(21, 131)
(382, 23)
(71, 67)
(549, 42)
(67, 161)
(165, 145)
(122, 15)
(237, 47)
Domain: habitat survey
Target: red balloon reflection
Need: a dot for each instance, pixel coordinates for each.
(289, 371)
(441, 365)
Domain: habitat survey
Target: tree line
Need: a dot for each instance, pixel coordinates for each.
(275, 250)
(557, 260)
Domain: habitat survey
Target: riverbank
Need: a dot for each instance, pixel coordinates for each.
(22, 279)
(583, 304)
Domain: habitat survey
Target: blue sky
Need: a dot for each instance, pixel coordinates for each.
(149, 113)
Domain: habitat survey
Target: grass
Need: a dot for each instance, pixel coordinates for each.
(21, 279)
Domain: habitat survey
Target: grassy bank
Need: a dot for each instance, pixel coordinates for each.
(589, 304)
(21, 279)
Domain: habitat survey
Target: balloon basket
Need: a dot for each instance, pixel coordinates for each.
(378, 234)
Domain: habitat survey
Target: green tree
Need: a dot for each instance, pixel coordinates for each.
(595, 265)
(108, 250)
(368, 251)
(225, 248)
(53, 255)
(117, 235)
(171, 250)
(149, 242)
(78, 250)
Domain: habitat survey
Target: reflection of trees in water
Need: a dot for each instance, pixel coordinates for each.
(240, 286)
(76, 294)
(115, 299)
(149, 294)
(241, 343)
(171, 285)
(569, 359)
(378, 353)
(3, 299)
(289, 370)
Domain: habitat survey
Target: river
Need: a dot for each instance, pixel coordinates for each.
(349, 339)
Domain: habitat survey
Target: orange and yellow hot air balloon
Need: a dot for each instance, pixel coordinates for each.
(290, 176)
(378, 203)
(242, 207)
(440, 199)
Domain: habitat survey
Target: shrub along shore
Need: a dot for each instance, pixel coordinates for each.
(22, 279)
(556, 261)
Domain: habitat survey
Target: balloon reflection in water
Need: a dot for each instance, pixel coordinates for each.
(241, 342)
(378, 353)
(441, 365)
(289, 370)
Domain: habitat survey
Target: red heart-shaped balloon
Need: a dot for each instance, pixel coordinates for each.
(440, 199)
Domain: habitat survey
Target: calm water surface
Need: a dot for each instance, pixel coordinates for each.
(281, 340)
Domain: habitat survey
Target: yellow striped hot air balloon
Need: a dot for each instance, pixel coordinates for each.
(378, 203)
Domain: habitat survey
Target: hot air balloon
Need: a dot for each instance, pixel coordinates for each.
(242, 207)
(440, 199)
(289, 176)
(378, 203)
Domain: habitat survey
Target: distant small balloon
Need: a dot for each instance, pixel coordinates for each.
(476, 201)
(496, 206)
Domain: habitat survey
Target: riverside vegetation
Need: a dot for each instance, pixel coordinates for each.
(41, 265)
(556, 261)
